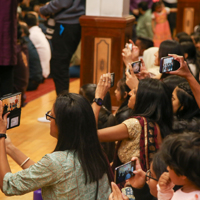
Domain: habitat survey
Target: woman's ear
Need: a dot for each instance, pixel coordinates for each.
(186, 55)
(181, 107)
(125, 95)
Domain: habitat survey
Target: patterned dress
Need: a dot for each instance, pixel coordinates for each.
(60, 176)
(162, 29)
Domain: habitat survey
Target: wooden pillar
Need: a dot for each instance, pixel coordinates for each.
(188, 15)
(102, 41)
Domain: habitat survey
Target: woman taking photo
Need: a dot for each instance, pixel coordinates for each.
(141, 135)
(77, 168)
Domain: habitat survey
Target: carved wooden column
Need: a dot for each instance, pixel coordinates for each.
(103, 39)
(188, 15)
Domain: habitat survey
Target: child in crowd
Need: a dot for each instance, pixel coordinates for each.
(160, 24)
(181, 154)
(121, 94)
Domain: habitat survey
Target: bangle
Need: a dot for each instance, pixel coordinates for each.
(25, 162)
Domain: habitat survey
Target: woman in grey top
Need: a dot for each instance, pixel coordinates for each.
(77, 169)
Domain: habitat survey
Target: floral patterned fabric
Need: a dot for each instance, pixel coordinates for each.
(130, 147)
(60, 176)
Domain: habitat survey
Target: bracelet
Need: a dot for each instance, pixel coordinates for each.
(25, 162)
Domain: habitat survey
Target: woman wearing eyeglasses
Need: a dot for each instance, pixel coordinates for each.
(144, 184)
(77, 168)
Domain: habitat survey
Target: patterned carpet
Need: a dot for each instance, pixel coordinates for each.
(43, 88)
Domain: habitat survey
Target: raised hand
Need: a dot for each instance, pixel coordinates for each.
(129, 55)
(131, 79)
(165, 182)
(183, 70)
(143, 71)
(116, 193)
(3, 119)
(103, 86)
(138, 181)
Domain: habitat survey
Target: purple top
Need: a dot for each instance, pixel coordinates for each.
(8, 32)
(134, 3)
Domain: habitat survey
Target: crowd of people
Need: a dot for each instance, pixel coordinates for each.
(157, 125)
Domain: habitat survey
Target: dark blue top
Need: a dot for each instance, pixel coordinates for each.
(35, 69)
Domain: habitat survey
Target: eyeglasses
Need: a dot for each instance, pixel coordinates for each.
(148, 175)
(48, 115)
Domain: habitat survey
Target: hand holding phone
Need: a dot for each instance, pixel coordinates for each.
(168, 64)
(136, 66)
(112, 79)
(12, 104)
(130, 45)
(124, 172)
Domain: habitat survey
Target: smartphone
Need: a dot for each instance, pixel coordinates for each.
(12, 103)
(136, 66)
(130, 46)
(112, 79)
(124, 172)
(168, 64)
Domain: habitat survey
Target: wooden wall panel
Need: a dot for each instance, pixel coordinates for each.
(116, 31)
(188, 12)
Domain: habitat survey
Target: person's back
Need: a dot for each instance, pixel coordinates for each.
(35, 69)
(40, 42)
(144, 28)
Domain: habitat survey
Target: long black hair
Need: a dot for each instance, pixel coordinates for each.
(153, 101)
(124, 88)
(77, 131)
(172, 81)
(188, 106)
(190, 49)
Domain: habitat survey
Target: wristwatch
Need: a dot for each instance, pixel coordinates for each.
(98, 101)
(3, 135)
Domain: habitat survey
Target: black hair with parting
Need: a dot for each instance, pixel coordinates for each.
(77, 131)
(152, 99)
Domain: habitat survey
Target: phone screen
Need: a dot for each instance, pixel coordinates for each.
(124, 172)
(166, 64)
(12, 104)
(136, 66)
(112, 79)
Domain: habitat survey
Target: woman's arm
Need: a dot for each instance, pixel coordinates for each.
(185, 72)
(18, 156)
(4, 166)
(101, 90)
(7, 147)
(114, 133)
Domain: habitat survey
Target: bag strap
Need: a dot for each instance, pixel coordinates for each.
(146, 142)
(97, 190)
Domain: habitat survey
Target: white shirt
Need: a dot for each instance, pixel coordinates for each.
(171, 1)
(43, 48)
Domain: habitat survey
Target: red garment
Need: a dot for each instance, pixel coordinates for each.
(8, 32)
(162, 29)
